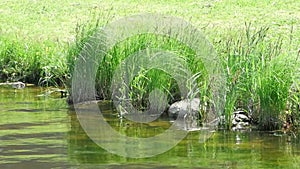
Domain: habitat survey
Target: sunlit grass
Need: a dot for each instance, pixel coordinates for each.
(40, 40)
(259, 75)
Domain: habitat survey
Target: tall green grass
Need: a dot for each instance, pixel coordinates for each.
(259, 72)
(259, 76)
(262, 74)
(146, 80)
(38, 63)
(272, 93)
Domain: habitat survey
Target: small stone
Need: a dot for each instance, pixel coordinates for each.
(18, 85)
(239, 112)
(234, 122)
(242, 117)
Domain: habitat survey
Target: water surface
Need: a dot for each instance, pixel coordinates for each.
(39, 131)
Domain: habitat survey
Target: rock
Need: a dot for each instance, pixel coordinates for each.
(240, 112)
(241, 126)
(240, 120)
(15, 85)
(181, 107)
(63, 92)
(234, 123)
(18, 85)
(187, 112)
(187, 115)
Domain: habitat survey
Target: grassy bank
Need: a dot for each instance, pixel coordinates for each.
(38, 63)
(262, 78)
(256, 41)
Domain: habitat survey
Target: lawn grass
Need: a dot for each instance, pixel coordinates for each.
(257, 41)
(56, 20)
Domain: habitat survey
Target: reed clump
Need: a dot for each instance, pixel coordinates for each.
(259, 77)
(259, 74)
(38, 63)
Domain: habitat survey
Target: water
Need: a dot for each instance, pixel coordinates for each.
(43, 132)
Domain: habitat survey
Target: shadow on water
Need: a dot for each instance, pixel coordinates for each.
(43, 133)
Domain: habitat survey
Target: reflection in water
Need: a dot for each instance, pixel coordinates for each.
(223, 150)
(53, 138)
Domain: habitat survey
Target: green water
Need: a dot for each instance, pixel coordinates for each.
(42, 132)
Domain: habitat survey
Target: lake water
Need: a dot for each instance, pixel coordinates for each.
(39, 131)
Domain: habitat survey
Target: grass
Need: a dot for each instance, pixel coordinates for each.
(31, 62)
(259, 76)
(39, 42)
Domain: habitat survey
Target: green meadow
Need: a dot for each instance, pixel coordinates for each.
(256, 41)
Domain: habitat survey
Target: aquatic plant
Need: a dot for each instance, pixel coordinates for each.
(259, 76)
(146, 80)
(32, 62)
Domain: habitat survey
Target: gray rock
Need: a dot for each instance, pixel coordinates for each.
(15, 85)
(181, 107)
(18, 85)
(186, 113)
